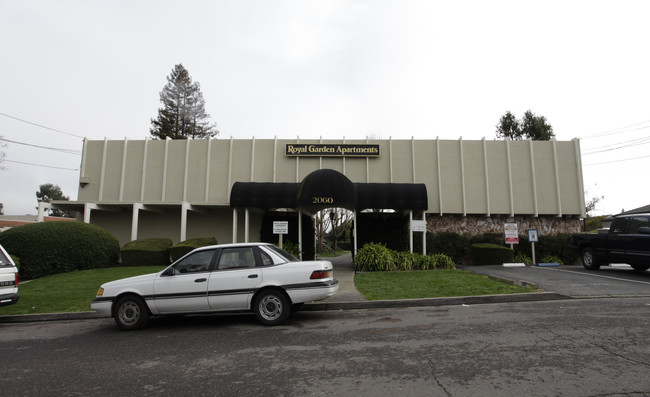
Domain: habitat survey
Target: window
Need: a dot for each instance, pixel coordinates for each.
(238, 257)
(618, 225)
(637, 222)
(266, 259)
(197, 262)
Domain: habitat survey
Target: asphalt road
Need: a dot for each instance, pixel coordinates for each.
(577, 347)
(575, 281)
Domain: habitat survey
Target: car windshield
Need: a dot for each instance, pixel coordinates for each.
(282, 253)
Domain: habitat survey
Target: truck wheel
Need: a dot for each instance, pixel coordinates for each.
(640, 268)
(588, 260)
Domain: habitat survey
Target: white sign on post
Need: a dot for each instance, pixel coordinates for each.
(418, 226)
(280, 227)
(512, 234)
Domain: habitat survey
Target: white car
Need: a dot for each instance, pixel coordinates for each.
(232, 277)
(8, 279)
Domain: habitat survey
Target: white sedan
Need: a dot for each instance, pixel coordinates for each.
(232, 277)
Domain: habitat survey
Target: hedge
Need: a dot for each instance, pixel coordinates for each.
(147, 252)
(491, 254)
(185, 247)
(47, 248)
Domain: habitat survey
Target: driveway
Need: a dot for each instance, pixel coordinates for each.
(575, 281)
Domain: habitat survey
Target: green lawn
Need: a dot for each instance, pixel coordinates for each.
(68, 292)
(430, 284)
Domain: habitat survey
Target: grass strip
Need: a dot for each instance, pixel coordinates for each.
(68, 292)
(430, 284)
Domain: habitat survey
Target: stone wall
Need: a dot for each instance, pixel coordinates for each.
(478, 224)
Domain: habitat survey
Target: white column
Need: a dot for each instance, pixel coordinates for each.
(532, 176)
(462, 174)
(103, 172)
(88, 207)
(234, 225)
(134, 221)
(439, 174)
(300, 233)
(509, 164)
(184, 208)
(246, 225)
(123, 173)
(576, 146)
(557, 180)
(42, 206)
(424, 235)
(487, 177)
(410, 231)
(354, 219)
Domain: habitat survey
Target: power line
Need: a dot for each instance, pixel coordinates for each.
(42, 126)
(67, 151)
(608, 148)
(41, 165)
(617, 161)
(618, 130)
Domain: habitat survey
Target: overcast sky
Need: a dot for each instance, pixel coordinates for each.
(335, 69)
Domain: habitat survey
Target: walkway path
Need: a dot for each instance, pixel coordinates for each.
(344, 272)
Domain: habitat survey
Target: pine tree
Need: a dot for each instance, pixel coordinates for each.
(183, 112)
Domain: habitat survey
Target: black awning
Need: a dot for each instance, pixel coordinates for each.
(264, 195)
(326, 189)
(329, 189)
(397, 196)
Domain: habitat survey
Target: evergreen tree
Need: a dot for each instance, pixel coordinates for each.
(530, 127)
(183, 112)
(49, 192)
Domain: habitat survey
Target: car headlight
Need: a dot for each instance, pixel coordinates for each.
(100, 291)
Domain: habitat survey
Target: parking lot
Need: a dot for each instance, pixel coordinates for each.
(575, 281)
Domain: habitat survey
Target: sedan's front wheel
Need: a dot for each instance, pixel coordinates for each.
(271, 307)
(131, 312)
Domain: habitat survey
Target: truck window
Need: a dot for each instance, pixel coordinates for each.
(618, 225)
(637, 222)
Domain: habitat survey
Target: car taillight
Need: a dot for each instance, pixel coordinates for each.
(16, 280)
(320, 274)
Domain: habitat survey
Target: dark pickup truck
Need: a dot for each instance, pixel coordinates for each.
(626, 241)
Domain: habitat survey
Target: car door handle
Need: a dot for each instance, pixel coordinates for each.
(200, 280)
(253, 276)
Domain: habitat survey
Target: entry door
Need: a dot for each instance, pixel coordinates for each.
(184, 286)
(236, 279)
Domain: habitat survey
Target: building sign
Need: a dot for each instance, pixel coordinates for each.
(512, 233)
(418, 226)
(280, 227)
(330, 150)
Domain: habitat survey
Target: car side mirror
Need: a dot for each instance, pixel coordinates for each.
(644, 230)
(168, 272)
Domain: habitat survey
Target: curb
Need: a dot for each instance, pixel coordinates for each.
(380, 304)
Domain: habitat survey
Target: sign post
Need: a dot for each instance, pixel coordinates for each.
(280, 227)
(512, 234)
(533, 237)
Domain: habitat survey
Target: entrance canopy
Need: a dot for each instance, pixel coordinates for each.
(329, 188)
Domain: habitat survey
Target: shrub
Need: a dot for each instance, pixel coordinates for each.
(16, 261)
(442, 261)
(373, 257)
(520, 257)
(185, 247)
(46, 248)
(551, 259)
(146, 252)
(402, 260)
(491, 254)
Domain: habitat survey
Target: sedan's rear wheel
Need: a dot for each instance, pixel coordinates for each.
(131, 312)
(588, 260)
(271, 307)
